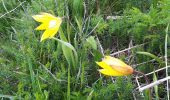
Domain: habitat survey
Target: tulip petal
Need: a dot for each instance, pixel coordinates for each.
(124, 70)
(39, 18)
(48, 16)
(43, 18)
(48, 33)
(110, 72)
(114, 61)
(103, 65)
(43, 26)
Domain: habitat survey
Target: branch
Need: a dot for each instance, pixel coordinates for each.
(100, 46)
(126, 49)
(154, 71)
(154, 83)
(12, 9)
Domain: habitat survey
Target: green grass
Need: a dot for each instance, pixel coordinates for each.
(64, 67)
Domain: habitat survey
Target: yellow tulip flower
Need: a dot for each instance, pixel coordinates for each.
(50, 24)
(114, 67)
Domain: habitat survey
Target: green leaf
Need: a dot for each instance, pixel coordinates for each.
(90, 95)
(68, 54)
(66, 44)
(152, 36)
(79, 24)
(67, 47)
(156, 87)
(152, 56)
(92, 42)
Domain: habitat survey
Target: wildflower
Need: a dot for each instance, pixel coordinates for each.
(114, 67)
(50, 24)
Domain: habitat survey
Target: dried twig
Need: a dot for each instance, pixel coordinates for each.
(114, 17)
(137, 82)
(166, 60)
(146, 79)
(100, 46)
(141, 73)
(154, 71)
(154, 83)
(12, 9)
(97, 6)
(51, 73)
(93, 28)
(145, 62)
(116, 53)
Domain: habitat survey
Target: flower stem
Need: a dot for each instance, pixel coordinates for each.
(141, 73)
(146, 79)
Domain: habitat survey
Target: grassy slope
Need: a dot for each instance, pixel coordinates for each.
(31, 69)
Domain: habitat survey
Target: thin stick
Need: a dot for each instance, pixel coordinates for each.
(12, 9)
(153, 71)
(154, 83)
(114, 17)
(138, 72)
(51, 73)
(126, 49)
(4, 6)
(93, 28)
(7, 96)
(137, 82)
(101, 48)
(97, 6)
(166, 60)
(146, 62)
(147, 80)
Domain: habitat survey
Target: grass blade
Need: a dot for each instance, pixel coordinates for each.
(151, 55)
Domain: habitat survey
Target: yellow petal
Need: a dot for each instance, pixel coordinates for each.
(43, 17)
(48, 16)
(103, 65)
(38, 18)
(43, 26)
(110, 72)
(49, 33)
(114, 61)
(124, 70)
